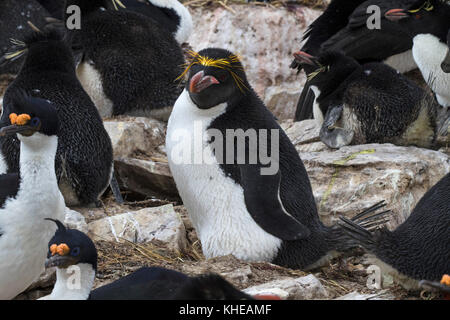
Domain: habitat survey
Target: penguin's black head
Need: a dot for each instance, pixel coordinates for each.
(210, 287)
(70, 247)
(215, 76)
(29, 115)
(331, 67)
(446, 63)
(45, 50)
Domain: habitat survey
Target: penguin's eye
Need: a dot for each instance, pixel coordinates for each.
(222, 77)
(75, 251)
(35, 122)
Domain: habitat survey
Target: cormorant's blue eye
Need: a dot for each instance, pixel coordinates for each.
(75, 251)
(35, 122)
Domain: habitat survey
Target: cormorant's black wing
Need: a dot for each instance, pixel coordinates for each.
(9, 186)
(263, 201)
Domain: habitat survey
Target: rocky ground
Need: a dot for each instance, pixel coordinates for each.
(152, 227)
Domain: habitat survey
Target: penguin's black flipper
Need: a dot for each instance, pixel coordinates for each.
(305, 104)
(9, 186)
(262, 198)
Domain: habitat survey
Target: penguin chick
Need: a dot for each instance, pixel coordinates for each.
(446, 63)
(129, 63)
(241, 202)
(27, 200)
(370, 103)
(14, 16)
(169, 14)
(84, 161)
(71, 250)
(419, 248)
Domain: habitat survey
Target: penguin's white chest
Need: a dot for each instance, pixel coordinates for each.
(429, 53)
(24, 240)
(91, 81)
(215, 202)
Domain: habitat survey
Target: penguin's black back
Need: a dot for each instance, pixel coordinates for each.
(84, 151)
(296, 193)
(54, 7)
(14, 15)
(138, 60)
(165, 17)
(420, 247)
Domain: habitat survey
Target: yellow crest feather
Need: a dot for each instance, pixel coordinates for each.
(222, 63)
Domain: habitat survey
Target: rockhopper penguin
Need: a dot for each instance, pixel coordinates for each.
(128, 63)
(27, 200)
(369, 103)
(238, 207)
(84, 161)
(419, 248)
(70, 249)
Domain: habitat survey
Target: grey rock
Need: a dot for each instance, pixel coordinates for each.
(160, 223)
(303, 288)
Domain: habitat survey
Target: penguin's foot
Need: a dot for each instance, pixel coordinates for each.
(98, 204)
(331, 134)
(114, 185)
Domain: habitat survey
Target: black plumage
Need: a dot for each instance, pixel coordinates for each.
(14, 16)
(163, 284)
(367, 45)
(84, 155)
(418, 248)
(138, 61)
(9, 186)
(54, 7)
(370, 103)
(165, 17)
